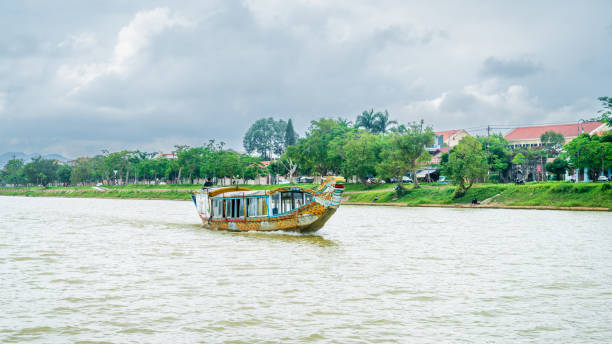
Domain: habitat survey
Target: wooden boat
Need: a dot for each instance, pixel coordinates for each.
(285, 208)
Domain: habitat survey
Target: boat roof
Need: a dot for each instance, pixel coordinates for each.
(238, 191)
(216, 191)
(249, 193)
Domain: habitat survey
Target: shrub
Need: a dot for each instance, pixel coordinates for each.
(562, 188)
(582, 188)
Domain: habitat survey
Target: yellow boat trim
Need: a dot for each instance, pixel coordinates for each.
(227, 189)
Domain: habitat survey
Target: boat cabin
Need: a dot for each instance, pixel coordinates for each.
(239, 205)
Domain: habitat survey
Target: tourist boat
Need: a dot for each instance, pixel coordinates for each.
(293, 208)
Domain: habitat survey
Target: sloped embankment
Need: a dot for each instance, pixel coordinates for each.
(539, 195)
(91, 193)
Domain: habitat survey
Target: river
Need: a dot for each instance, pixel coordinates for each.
(120, 271)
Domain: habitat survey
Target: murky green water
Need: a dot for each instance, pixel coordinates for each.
(120, 271)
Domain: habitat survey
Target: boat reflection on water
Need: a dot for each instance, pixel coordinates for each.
(306, 239)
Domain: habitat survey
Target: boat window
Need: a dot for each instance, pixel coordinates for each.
(275, 201)
(257, 207)
(251, 206)
(234, 208)
(307, 197)
(228, 208)
(240, 207)
(262, 206)
(298, 199)
(286, 202)
(217, 208)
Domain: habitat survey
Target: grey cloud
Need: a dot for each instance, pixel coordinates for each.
(213, 79)
(458, 102)
(406, 36)
(512, 68)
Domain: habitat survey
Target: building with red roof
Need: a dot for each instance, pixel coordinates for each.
(450, 137)
(530, 136)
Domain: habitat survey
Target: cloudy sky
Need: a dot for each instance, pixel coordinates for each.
(78, 76)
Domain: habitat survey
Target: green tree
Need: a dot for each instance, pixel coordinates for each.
(381, 122)
(290, 135)
(319, 151)
(12, 172)
(266, 137)
(97, 169)
(519, 159)
(63, 173)
(404, 152)
(466, 164)
(178, 151)
(361, 154)
(557, 167)
(499, 155)
(229, 164)
(604, 152)
(40, 171)
(366, 120)
(399, 129)
(590, 152)
(605, 114)
(191, 160)
(153, 169)
(390, 164)
(120, 162)
(81, 172)
(249, 167)
(552, 141)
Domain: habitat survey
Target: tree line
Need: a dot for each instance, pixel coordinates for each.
(186, 164)
(371, 146)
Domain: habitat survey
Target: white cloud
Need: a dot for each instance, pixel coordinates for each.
(482, 104)
(131, 41)
(475, 106)
(134, 37)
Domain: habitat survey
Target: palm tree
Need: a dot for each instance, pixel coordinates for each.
(382, 122)
(344, 122)
(400, 129)
(366, 120)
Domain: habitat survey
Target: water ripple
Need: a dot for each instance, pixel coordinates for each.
(100, 271)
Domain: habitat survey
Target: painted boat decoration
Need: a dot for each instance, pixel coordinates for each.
(286, 208)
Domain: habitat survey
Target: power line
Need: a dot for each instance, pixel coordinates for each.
(512, 126)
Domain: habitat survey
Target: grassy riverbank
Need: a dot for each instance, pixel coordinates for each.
(537, 195)
(551, 194)
(163, 192)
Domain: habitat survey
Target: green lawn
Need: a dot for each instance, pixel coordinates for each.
(559, 194)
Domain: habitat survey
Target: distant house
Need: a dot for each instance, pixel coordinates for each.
(530, 136)
(450, 138)
(437, 155)
(444, 141)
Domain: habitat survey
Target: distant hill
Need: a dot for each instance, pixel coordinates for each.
(4, 158)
